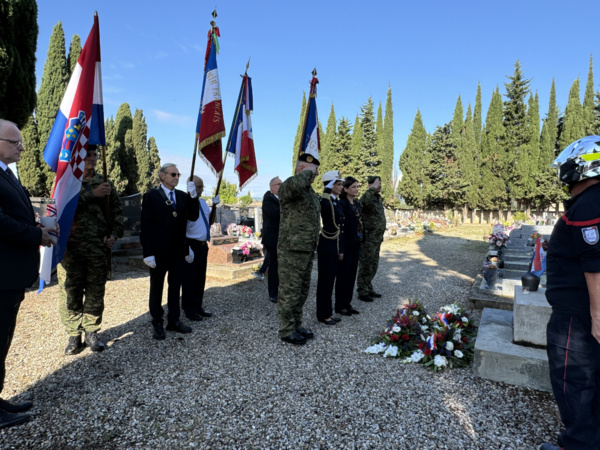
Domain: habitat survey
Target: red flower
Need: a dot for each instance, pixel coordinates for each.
(405, 337)
(449, 316)
(421, 346)
(394, 337)
(464, 339)
(427, 352)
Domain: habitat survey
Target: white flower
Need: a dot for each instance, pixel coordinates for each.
(392, 350)
(457, 337)
(458, 353)
(425, 328)
(424, 320)
(465, 320)
(417, 356)
(449, 346)
(453, 308)
(415, 313)
(396, 329)
(377, 348)
(440, 361)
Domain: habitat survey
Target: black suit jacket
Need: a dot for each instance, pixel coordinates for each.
(162, 234)
(332, 215)
(271, 212)
(19, 236)
(353, 233)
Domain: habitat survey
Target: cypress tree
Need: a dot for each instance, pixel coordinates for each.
(74, 52)
(532, 157)
(124, 147)
(443, 188)
(379, 139)
(342, 146)
(456, 130)
(354, 167)
(113, 160)
(412, 186)
(30, 165)
(477, 118)
(514, 141)
(369, 155)
(139, 136)
(18, 43)
(387, 154)
(52, 89)
(154, 161)
(492, 193)
(588, 102)
(298, 133)
(573, 126)
(468, 164)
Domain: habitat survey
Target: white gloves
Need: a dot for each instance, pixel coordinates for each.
(216, 200)
(190, 258)
(191, 188)
(150, 261)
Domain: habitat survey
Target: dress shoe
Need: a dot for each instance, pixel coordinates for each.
(195, 317)
(14, 407)
(294, 338)
(365, 298)
(375, 294)
(258, 275)
(11, 419)
(328, 321)
(273, 299)
(306, 334)
(336, 319)
(344, 312)
(159, 332)
(351, 310)
(179, 327)
(74, 345)
(204, 313)
(91, 340)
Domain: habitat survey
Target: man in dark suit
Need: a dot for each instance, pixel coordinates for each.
(270, 233)
(165, 212)
(20, 238)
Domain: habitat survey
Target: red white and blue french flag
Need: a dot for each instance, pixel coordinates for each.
(210, 127)
(241, 140)
(311, 141)
(538, 266)
(79, 122)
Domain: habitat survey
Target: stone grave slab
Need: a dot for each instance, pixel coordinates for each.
(531, 315)
(497, 358)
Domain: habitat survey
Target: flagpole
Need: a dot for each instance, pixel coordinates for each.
(107, 213)
(213, 211)
(314, 74)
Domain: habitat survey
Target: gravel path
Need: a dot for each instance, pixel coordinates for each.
(233, 384)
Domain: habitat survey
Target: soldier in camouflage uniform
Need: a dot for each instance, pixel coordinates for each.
(374, 223)
(298, 236)
(84, 267)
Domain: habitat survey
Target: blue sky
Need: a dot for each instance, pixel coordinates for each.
(428, 52)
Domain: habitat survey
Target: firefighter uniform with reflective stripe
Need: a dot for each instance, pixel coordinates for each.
(573, 353)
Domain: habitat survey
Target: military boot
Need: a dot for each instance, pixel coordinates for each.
(74, 345)
(91, 340)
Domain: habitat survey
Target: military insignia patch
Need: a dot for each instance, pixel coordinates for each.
(590, 235)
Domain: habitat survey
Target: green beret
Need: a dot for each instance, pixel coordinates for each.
(371, 179)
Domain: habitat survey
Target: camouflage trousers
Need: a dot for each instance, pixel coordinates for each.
(294, 283)
(80, 276)
(367, 267)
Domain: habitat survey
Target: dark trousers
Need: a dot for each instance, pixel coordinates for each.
(327, 265)
(174, 268)
(194, 278)
(346, 278)
(10, 301)
(574, 360)
(273, 274)
(265, 264)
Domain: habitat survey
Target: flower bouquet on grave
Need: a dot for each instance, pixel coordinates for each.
(233, 229)
(245, 231)
(246, 247)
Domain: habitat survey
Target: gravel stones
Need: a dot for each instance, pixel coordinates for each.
(232, 383)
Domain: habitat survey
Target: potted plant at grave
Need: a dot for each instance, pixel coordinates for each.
(490, 272)
(233, 230)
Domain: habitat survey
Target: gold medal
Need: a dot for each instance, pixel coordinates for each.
(174, 213)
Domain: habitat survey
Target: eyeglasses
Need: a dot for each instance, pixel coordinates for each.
(175, 175)
(17, 143)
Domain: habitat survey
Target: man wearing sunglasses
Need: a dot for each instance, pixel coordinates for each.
(165, 212)
(20, 238)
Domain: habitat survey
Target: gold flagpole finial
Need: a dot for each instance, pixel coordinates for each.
(247, 65)
(314, 72)
(214, 13)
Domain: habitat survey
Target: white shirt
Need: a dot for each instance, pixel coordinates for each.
(167, 191)
(196, 229)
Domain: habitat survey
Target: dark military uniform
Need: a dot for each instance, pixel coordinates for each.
(331, 245)
(84, 268)
(298, 235)
(374, 221)
(347, 268)
(573, 353)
